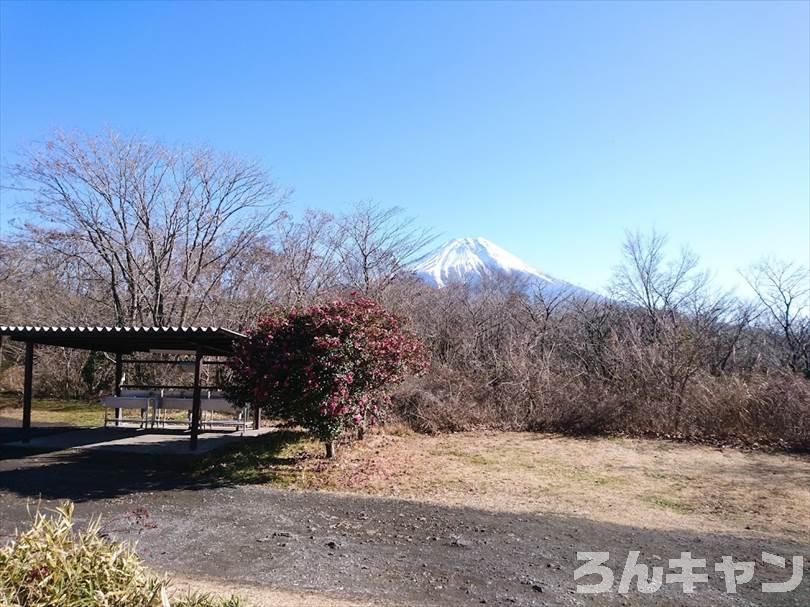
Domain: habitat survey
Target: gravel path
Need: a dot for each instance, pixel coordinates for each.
(385, 550)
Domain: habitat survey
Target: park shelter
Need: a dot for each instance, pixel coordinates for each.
(201, 342)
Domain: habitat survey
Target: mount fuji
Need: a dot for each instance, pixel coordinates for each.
(473, 261)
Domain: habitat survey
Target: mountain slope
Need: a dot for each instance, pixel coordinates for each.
(475, 260)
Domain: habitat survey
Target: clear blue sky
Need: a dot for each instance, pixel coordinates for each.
(547, 128)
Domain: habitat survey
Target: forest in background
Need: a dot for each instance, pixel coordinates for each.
(126, 231)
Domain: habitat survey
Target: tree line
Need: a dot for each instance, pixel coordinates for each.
(123, 230)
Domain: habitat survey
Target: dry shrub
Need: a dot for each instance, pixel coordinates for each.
(701, 372)
(448, 401)
(579, 408)
(51, 565)
(57, 373)
(763, 408)
(443, 401)
(11, 379)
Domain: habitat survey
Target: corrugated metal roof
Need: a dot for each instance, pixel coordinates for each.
(5, 329)
(126, 339)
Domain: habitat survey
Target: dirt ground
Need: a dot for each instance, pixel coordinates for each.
(456, 520)
(648, 483)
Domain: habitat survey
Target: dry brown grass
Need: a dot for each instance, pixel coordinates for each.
(264, 596)
(647, 483)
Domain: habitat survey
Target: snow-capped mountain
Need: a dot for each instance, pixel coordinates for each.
(476, 260)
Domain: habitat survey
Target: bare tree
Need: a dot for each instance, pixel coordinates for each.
(670, 348)
(159, 226)
(307, 255)
(783, 292)
(648, 279)
(248, 289)
(725, 321)
(375, 245)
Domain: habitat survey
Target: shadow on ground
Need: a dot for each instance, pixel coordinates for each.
(10, 433)
(191, 516)
(95, 474)
(56, 438)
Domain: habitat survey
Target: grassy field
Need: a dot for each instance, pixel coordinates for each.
(51, 411)
(647, 483)
(78, 413)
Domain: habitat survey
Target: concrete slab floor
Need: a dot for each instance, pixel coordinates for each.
(132, 440)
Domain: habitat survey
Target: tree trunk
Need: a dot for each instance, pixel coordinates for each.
(330, 449)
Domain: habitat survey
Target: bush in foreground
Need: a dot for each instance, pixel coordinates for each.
(327, 368)
(51, 565)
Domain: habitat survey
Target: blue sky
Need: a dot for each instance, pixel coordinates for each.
(547, 128)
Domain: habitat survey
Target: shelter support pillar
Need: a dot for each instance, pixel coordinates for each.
(257, 417)
(28, 384)
(196, 403)
(119, 374)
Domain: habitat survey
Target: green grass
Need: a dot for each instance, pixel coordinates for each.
(471, 458)
(668, 503)
(270, 458)
(54, 411)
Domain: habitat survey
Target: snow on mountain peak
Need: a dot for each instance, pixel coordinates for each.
(470, 259)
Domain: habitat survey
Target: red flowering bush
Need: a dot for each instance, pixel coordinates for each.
(326, 368)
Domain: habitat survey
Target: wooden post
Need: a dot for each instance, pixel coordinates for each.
(257, 417)
(119, 373)
(27, 389)
(196, 403)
